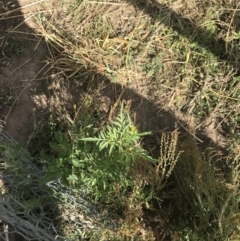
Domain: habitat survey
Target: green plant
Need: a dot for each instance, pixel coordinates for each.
(101, 162)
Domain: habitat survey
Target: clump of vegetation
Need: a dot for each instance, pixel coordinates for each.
(112, 167)
(102, 161)
(207, 207)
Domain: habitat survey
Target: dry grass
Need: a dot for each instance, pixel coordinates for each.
(113, 43)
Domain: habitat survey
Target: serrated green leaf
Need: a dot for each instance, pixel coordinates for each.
(110, 150)
(103, 145)
(72, 177)
(101, 135)
(61, 138)
(53, 168)
(114, 132)
(76, 163)
(58, 148)
(94, 181)
(58, 137)
(145, 133)
(126, 128)
(93, 139)
(118, 124)
(59, 162)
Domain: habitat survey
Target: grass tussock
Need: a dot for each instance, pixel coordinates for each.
(96, 40)
(206, 196)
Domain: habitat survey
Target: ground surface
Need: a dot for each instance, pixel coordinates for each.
(162, 96)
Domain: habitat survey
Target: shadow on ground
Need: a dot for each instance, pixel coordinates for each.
(20, 193)
(21, 69)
